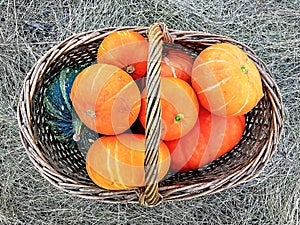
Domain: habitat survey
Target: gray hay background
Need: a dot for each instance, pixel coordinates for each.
(28, 28)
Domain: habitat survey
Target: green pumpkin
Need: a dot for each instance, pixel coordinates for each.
(60, 116)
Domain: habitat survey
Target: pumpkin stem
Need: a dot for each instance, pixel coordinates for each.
(178, 118)
(244, 69)
(77, 125)
(91, 113)
(129, 69)
(76, 137)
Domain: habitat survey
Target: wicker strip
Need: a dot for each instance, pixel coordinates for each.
(65, 169)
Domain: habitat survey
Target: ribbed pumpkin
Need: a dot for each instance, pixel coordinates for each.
(106, 99)
(125, 49)
(59, 114)
(176, 63)
(210, 138)
(179, 106)
(226, 80)
(117, 162)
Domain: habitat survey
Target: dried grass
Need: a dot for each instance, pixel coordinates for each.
(29, 28)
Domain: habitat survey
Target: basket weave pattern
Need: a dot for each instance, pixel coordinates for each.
(66, 169)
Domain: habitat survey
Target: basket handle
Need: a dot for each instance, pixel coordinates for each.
(157, 33)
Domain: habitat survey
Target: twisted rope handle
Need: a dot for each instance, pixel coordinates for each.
(157, 33)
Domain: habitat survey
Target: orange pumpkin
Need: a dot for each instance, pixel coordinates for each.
(125, 49)
(176, 63)
(210, 138)
(226, 80)
(117, 162)
(106, 98)
(179, 105)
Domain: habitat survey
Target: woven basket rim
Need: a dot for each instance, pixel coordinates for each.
(92, 192)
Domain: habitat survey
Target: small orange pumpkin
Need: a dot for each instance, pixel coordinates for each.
(176, 63)
(117, 162)
(106, 99)
(125, 49)
(226, 80)
(210, 138)
(179, 106)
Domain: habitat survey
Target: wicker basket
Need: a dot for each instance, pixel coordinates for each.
(65, 168)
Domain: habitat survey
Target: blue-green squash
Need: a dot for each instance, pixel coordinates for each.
(63, 122)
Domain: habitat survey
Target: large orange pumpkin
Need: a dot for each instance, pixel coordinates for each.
(125, 49)
(210, 138)
(117, 162)
(179, 105)
(106, 98)
(226, 80)
(176, 63)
